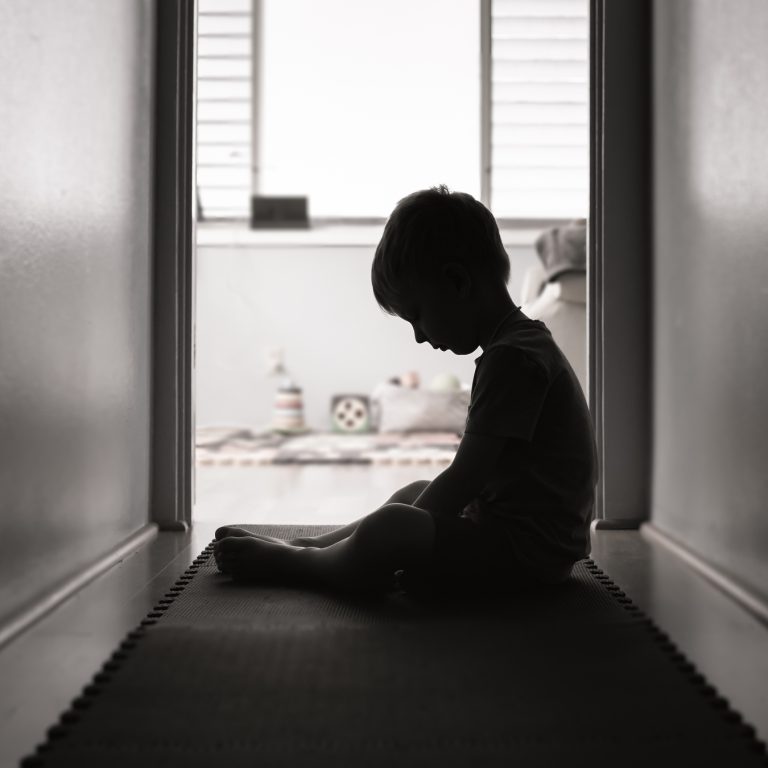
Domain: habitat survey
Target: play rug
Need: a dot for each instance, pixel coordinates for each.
(243, 447)
(222, 673)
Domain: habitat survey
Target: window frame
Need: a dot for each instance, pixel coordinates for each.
(485, 161)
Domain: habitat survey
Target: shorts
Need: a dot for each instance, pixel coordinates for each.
(471, 554)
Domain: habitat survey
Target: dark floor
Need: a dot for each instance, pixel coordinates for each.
(45, 668)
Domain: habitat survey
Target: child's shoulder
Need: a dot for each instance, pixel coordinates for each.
(525, 343)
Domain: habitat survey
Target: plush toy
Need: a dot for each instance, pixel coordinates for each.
(411, 380)
(350, 413)
(445, 382)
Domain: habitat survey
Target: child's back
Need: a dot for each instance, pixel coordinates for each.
(540, 495)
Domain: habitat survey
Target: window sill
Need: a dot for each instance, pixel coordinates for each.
(239, 235)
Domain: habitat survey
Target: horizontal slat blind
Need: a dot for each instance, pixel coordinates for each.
(539, 108)
(224, 107)
(539, 150)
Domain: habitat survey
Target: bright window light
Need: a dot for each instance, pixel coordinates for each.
(363, 101)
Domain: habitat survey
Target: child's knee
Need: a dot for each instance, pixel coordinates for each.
(402, 515)
(398, 523)
(409, 493)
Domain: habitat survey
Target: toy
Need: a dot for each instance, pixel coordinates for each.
(411, 380)
(445, 382)
(350, 413)
(288, 414)
(289, 409)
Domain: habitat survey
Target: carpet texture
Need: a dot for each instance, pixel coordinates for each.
(222, 673)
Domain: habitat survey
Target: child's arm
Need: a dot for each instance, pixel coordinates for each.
(463, 480)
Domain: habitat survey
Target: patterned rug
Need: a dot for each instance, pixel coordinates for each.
(243, 447)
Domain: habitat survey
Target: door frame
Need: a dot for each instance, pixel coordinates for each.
(620, 258)
(620, 376)
(174, 263)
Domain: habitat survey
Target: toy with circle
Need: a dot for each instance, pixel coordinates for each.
(350, 413)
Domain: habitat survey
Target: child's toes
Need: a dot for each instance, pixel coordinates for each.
(229, 548)
(223, 555)
(226, 565)
(231, 530)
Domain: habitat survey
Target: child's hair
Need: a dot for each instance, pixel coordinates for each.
(430, 227)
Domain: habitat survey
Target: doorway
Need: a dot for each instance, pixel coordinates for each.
(279, 362)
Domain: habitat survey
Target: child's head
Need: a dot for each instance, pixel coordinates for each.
(440, 251)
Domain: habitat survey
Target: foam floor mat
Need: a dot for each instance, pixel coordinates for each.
(225, 673)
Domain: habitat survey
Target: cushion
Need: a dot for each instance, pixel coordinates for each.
(402, 409)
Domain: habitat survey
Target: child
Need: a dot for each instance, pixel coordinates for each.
(515, 504)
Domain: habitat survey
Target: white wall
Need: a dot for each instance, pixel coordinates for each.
(318, 304)
(711, 282)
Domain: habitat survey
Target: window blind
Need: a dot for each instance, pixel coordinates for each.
(224, 107)
(539, 108)
(539, 154)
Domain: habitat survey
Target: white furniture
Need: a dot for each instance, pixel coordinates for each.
(561, 304)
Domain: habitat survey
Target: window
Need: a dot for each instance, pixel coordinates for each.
(224, 107)
(364, 101)
(358, 102)
(539, 109)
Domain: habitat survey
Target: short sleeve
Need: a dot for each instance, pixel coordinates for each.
(508, 394)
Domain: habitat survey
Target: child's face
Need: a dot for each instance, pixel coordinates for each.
(441, 313)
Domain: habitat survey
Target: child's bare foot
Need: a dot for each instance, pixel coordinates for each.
(232, 530)
(253, 558)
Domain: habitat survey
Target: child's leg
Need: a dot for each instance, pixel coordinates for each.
(405, 495)
(395, 536)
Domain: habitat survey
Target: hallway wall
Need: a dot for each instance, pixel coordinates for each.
(75, 183)
(710, 488)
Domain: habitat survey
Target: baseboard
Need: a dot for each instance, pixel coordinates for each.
(30, 614)
(751, 602)
(616, 524)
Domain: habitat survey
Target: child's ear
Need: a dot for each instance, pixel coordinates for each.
(458, 277)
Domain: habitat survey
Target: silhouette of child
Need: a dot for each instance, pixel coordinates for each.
(515, 504)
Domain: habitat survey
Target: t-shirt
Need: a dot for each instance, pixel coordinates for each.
(541, 492)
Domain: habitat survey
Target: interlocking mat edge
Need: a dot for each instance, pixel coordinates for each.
(243, 675)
